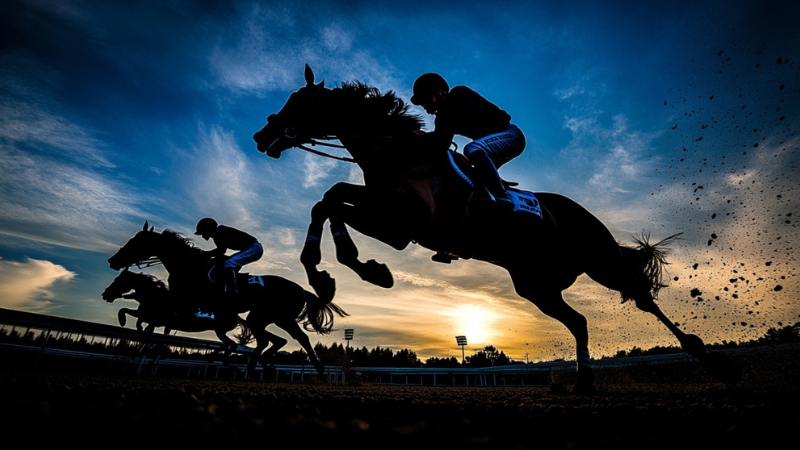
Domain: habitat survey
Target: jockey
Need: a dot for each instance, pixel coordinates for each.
(462, 111)
(248, 248)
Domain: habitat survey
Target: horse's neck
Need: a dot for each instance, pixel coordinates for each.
(147, 290)
(432, 179)
(183, 261)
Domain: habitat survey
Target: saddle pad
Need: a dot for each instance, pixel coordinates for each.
(525, 201)
(254, 279)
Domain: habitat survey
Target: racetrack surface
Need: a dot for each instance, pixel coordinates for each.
(144, 411)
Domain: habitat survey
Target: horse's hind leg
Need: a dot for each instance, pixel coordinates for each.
(277, 344)
(301, 337)
(718, 365)
(547, 297)
(618, 274)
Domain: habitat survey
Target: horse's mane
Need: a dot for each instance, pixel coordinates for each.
(371, 105)
(157, 284)
(180, 239)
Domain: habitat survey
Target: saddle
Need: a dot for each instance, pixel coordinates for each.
(524, 203)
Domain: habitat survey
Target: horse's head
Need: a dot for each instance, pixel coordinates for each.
(141, 247)
(121, 285)
(132, 285)
(296, 123)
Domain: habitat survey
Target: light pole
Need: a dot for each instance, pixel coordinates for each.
(348, 336)
(462, 341)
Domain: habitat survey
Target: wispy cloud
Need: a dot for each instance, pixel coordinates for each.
(610, 159)
(53, 169)
(27, 285)
(220, 180)
(269, 53)
(29, 118)
(316, 169)
(57, 202)
(19, 123)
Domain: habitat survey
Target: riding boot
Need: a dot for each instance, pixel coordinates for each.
(230, 283)
(489, 178)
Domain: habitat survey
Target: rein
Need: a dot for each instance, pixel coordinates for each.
(340, 158)
(327, 155)
(143, 264)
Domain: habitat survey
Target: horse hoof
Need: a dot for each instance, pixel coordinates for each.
(122, 319)
(324, 286)
(584, 385)
(378, 274)
(583, 389)
(693, 345)
(721, 367)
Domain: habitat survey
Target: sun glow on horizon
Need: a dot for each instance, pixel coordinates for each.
(476, 323)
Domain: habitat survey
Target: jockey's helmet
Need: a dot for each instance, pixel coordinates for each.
(205, 225)
(427, 85)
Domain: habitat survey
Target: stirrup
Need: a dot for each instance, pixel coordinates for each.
(443, 257)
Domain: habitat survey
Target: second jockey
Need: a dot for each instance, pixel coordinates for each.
(247, 248)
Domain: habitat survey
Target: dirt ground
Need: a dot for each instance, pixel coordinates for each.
(633, 409)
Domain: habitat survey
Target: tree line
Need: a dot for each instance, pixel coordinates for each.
(789, 334)
(339, 355)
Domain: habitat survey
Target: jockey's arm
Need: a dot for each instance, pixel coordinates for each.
(217, 252)
(436, 139)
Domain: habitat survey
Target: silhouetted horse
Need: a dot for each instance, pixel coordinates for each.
(268, 299)
(414, 193)
(157, 308)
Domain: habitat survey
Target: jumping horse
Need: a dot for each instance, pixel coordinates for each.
(269, 299)
(415, 193)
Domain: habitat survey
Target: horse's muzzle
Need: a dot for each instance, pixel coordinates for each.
(270, 149)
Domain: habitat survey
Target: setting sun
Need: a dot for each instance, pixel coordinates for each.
(476, 323)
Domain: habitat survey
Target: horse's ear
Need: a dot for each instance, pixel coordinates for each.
(309, 74)
(144, 228)
(321, 84)
(125, 270)
(152, 228)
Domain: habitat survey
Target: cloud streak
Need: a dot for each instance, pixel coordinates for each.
(56, 202)
(27, 285)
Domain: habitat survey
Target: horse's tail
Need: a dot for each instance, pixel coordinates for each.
(646, 261)
(246, 331)
(318, 315)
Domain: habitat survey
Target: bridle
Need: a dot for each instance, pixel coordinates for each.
(291, 134)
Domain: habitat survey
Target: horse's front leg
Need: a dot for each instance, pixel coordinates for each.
(338, 205)
(385, 215)
(122, 316)
(347, 254)
(311, 255)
